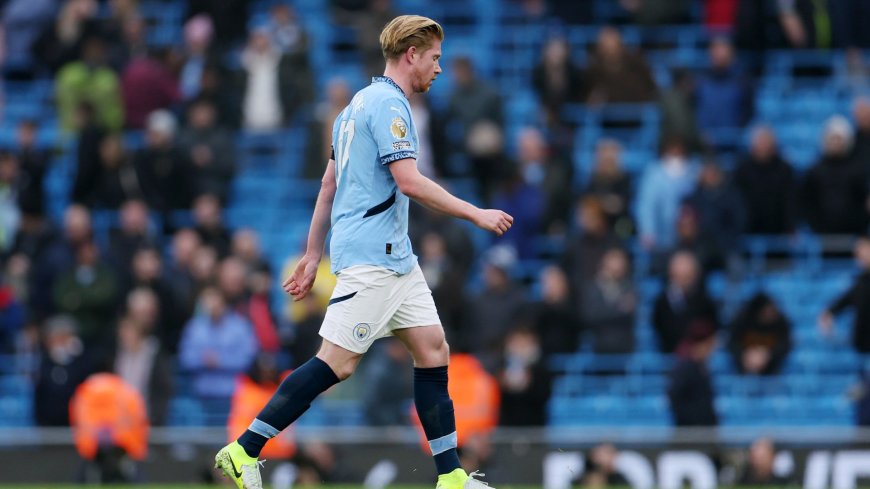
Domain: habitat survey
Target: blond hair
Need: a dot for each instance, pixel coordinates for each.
(409, 30)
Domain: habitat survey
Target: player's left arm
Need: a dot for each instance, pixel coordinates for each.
(299, 283)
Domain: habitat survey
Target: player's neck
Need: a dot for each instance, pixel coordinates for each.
(403, 81)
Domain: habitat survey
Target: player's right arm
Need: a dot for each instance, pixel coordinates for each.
(299, 283)
(428, 193)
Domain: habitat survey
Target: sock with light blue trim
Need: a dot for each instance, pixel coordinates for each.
(293, 398)
(436, 414)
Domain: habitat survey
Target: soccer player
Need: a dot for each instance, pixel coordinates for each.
(380, 289)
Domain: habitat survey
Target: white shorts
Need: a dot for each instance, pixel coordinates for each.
(371, 302)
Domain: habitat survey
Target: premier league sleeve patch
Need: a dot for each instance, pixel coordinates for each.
(398, 128)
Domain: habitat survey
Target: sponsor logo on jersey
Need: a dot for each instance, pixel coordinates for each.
(400, 145)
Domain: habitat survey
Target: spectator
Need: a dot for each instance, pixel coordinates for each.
(491, 313)
(64, 364)
(10, 214)
(253, 391)
(146, 86)
(556, 79)
(557, 320)
(209, 149)
(221, 89)
(203, 266)
(60, 42)
(525, 201)
(179, 274)
(110, 428)
(110, 181)
(767, 184)
(369, 24)
(23, 21)
(610, 304)
(690, 238)
(198, 32)
(230, 19)
(662, 190)
(232, 280)
(262, 101)
(258, 309)
(683, 302)
(720, 209)
(161, 167)
(33, 164)
(459, 246)
(430, 138)
(388, 374)
(616, 74)
(722, 95)
(209, 224)
(490, 167)
(677, 105)
(760, 470)
(148, 275)
(857, 296)
(861, 116)
(690, 388)
(90, 80)
(286, 31)
(611, 186)
(59, 255)
(141, 363)
(584, 252)
(12, 318)
(657, 12)
(319, 148)
(134, 41)
(446, 279)
(552, 175)
(216, 345)
(760, 337)
(834, 190)
(245, 246)
(601, 468)
(86, 291)
(133, 234)
(142, 307)
(472, 100)
(720, 14)
(809, 24)
(524, 380)
(90, 135)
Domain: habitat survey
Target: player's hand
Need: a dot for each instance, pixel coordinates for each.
(299, 283)
(493, 220)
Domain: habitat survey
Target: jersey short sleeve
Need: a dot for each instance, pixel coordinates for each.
(393, 131)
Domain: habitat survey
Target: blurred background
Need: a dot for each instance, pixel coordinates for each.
(684, 296)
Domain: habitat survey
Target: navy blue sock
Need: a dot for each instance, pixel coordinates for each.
(293, 398)
(436, 414)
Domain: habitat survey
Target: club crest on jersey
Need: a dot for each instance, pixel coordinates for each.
(398, 128)
(361, 331)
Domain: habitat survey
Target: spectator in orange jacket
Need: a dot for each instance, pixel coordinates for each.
(253, 391)
(110, 426)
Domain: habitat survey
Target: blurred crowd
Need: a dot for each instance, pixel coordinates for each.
(155, 296)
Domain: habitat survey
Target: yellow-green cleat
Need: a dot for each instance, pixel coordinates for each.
(238, 467)
(458, 479)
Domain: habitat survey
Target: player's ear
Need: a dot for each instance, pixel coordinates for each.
(411, 53)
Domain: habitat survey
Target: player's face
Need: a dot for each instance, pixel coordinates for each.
(427, 67)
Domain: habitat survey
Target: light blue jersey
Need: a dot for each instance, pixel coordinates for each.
(369, 213)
